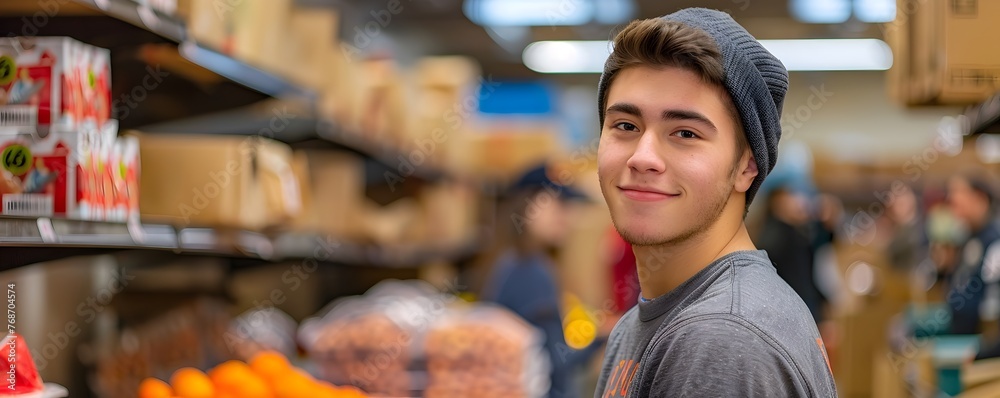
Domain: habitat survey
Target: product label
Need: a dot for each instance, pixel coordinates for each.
(16, 159)
(8, 69)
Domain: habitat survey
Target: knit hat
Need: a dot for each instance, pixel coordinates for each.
(755, 79)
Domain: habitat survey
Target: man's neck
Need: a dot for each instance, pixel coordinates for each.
(662, 268)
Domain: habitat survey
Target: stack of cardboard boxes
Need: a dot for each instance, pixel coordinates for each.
(944, 51)
(424, 111)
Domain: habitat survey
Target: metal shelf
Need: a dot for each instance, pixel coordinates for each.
(302, 126)
(172, 29)
(52, 237)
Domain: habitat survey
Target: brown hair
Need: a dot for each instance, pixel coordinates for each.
(658, 42)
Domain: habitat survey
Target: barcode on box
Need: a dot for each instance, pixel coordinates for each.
(27, 204)
(975, 77)
(18, 115)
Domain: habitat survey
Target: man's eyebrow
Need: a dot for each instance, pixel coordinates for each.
(624, 108)
(681, 114)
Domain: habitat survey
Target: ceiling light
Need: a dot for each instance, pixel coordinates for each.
(831, 54)
(821, 11)
(547, 12)
(796, 55)
(875, 11)
(567, 56)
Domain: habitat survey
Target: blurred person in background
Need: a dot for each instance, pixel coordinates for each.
(789, 237)
(624, 278)
(908, 245)
(534, 221)
(689, 107)
(971, 201)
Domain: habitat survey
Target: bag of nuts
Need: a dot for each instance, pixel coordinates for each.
(483, 350)
(368, 341)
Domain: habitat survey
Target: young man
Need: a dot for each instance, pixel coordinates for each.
(689, 107)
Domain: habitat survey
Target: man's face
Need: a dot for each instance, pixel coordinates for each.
(667, 155)
(965, 202)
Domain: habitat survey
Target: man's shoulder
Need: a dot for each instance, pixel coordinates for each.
(750, 288)
(751, 300)
(718, 346)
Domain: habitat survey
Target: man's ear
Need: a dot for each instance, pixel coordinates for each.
(746, 171)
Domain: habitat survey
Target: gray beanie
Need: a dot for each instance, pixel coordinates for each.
(754, 78)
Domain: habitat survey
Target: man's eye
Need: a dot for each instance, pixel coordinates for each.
(627, 126)
(686, 134)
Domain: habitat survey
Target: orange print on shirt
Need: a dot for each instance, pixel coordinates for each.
(822, 348)
(621, 379)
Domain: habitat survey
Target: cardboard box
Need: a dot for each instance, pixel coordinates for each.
(311, 46)
(384, 114)
(250, 30)
(69, 173)
(332, 195)
(445, 88)
(259, 31)
(208, 23)
(341, 97)
(946, 51)
(216, 181)
(449, 213)
(505, 152)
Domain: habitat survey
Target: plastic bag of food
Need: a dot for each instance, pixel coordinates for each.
(262, 329)
(367, 341)
(482, 350)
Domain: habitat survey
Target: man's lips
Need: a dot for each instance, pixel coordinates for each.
(645, 194)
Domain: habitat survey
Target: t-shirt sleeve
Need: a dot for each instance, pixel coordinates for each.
(722, 357)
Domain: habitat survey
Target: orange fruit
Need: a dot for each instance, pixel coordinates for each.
(350, 392)
(295, 384)
(270, 364)
(154, 388)
(239, 380)
(192, 383)
(228, 374)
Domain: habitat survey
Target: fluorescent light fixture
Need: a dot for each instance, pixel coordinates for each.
(547, 12)
(831, 54)
(821, 11)
(529, 12)
(610, 12)
(875, 11)
(797, 55)
(583, 56)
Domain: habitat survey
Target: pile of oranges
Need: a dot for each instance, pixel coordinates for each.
(268, 375)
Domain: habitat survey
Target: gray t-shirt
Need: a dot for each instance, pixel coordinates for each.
(733, 329)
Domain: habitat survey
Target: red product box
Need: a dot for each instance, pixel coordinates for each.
(65, 174)
(53, 81)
